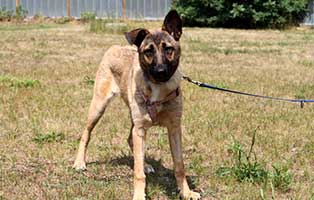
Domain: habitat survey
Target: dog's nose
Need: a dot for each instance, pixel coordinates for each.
(161, 71)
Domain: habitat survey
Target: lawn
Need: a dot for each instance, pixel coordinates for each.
(46, 82)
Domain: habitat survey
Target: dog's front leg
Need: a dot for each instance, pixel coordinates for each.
(138, 134)
(174, 133)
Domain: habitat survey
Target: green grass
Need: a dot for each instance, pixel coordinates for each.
(25, 27)
(46, 82)
(244, 169)
(113, 26)
(17, 82)
(247, 169)
(48, 138)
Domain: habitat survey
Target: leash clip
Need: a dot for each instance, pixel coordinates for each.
(191, 80)
(302, 104)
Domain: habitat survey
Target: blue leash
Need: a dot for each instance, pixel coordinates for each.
(200, 84)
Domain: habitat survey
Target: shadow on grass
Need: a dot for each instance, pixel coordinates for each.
(163, 178)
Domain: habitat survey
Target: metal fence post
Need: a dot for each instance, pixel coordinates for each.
(17, 5)
(69, 8)
(124, 9)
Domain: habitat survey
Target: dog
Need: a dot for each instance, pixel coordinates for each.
(147, 77)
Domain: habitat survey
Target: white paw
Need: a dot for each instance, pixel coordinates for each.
(148, 169)
(139, 197)
(79, 165)
(191, 196)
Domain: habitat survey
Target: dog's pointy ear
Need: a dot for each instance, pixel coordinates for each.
(173, 25)
(136, 36)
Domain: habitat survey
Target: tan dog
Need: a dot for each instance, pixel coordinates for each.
(148, 80)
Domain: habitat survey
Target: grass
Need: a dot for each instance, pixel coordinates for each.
(113, 26)
(244, 169)
(21, 27)
(17, 82)
(47, 138)
(47, 77)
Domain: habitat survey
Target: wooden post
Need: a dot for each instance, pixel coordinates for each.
(69, 8)
(124, 9)
(17, 4)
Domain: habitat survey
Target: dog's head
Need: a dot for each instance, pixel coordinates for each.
(159, 51)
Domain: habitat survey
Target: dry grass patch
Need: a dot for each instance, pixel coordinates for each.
(40, 125)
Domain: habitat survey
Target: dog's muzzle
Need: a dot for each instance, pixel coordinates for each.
(160, 73)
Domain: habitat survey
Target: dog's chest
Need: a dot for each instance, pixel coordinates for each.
(152, 98)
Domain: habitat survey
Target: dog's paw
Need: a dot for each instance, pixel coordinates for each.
(148, 169)
(139, 197)
(79, 165)
(191, 196)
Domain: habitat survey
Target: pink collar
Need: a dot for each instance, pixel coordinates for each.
(151, 107)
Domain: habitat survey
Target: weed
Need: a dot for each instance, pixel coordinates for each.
(280, 177)
(108, 26)
(304, 91)
(20, 13)
(97, 26)
(312, 196)
(5, 15)
(300, 94)
(307, 63)
(88, 81)
(48, 138)
(196, 164)
(63, 20)
(244, 169)
(8, 15)
(88, 16)
(39, 55)
(18, 83)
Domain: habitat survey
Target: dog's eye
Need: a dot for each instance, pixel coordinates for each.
(149, 52)
(168, 50)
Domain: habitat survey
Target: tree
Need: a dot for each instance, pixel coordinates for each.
(241, 13)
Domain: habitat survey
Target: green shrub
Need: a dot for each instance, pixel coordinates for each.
(5, 15)
(108, 26)
(241, 14)
(88, 16)
(63, 20)
(20, 13)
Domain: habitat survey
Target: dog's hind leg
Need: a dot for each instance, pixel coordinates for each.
(105, 88)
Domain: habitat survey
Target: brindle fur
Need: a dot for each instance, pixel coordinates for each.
(128, 71)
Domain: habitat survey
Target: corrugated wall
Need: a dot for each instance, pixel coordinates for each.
(8, 4)
(102, 8)
(309, 19)
(148, 9)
